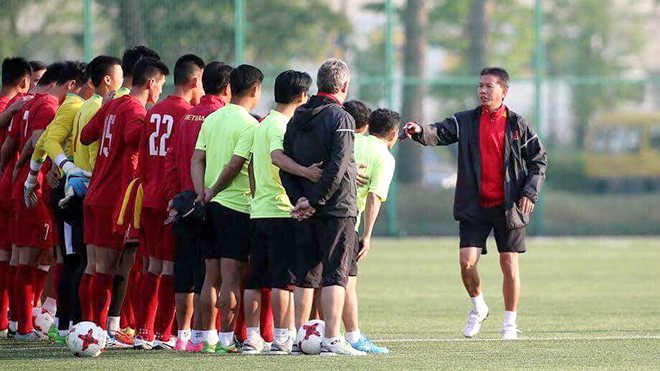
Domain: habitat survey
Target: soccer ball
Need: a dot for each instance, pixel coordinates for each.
(310, 335)
(86, 339)
(41, 320)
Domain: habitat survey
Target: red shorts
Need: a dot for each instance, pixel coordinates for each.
(6, 224)
(33, 227)
(157, 237)
(99, 227)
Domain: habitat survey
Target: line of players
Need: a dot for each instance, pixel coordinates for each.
(190, 186)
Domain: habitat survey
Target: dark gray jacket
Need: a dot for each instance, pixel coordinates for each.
(525, 162)
(322, 131)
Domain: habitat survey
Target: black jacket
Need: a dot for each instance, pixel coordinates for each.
(322, 131)
(525, 162)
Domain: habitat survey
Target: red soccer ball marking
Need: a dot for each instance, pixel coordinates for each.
(311, 330)
(88, 339)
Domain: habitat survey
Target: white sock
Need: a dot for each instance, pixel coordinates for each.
(13, 326)
(251, 332)
(293, 334)
(113, 323)
(70, 325)
(510, 317)
(63, 333)
(197, 336)
(478, 302)
(211, 337)
(57, 322)
(50, 305)
(184, 335)
(353, 336)
(281, 335)
(330, 340)
(227, 338)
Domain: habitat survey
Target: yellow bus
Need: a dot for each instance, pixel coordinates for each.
(624, 152)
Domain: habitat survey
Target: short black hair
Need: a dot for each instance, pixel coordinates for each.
(243, 78)
(148, 68)
(216, 77)
(383, 121)
(359, 111)
(290, 84)
(498, 72)
(100, 67)
(15, 69)
(185, 67)
(133, 55)
(38, 65)
(52, 74)
(73, 70)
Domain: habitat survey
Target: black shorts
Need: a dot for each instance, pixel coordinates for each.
(353, 269)
(475, 234)
(69, 221)
(271, 257)
(324, 252)
(228, 233)
(189, 265)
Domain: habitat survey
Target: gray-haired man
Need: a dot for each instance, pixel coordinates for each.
(322, 131)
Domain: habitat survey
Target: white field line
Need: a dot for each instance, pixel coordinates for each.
(634, 337)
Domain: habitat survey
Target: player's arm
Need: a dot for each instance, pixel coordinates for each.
(439, 134)
(92, 132)
(58, 132)
(197, 170)
(372, 208)
(8, 148)
(536, 160)
(341, 153)
(379, 186)
(253, 187)
(171, 173)
(241, 154)
(290, 181)
(9, 112)
(286, 163)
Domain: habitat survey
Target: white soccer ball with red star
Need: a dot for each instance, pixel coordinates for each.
(310, 335)
(41, 320)
(86, 339)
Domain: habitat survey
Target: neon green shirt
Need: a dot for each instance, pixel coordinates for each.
(270, 199)
(373, 152)
(227, 132)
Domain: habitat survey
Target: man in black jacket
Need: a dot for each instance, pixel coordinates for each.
(322, 131)
(501, 168)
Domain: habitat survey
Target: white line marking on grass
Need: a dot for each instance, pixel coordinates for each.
(642, 337)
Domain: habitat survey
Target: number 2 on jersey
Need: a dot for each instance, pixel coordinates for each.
(167, 121)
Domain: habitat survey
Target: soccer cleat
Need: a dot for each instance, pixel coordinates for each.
(140, 343)
(31, 336)
(473, 325)
(59, 340)
(282, 348)
(4, 333)
(365, 345)
(510, 332)
(210, 348)
(192, 347)
(165, 345)
(11, 334)
(53, 332)
(180, 345)
(295, 350)
(232, 348)
(339, 348)
(129, 332)
(253, 345)
(118, 339)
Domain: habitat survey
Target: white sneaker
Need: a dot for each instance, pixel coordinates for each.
(253, 345)
(473, 325)
(31, 336)
(165, 345)
(281, 348)
(140, 343)
(510, 332)
(339, 347)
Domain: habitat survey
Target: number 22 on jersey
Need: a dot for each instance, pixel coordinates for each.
(160, 135)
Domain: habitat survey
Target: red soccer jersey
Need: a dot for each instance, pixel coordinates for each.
(37, 115)
(4, 103)
(160, 125)
(491, 146)
(177, 161)
(5, 180)
(113, 125)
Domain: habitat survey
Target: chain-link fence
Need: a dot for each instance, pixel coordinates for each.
(585, 73)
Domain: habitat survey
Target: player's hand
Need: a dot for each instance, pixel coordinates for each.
(19, 103)
(172, 213)
(362, 177)
(77, 179)
(410, 129)
(365, 246)
(526, 205)
(53, 177)
(208, 195)
(303, 210)
(108, 97)
(29, 197)
(314, 172)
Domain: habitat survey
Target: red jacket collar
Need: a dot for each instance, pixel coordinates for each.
(497, 113)
(331, 97)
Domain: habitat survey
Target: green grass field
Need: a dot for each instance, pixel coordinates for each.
(587, 304)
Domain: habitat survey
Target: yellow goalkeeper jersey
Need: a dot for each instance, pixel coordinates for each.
(56, 140)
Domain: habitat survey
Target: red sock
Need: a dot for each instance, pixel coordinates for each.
(11, 291)
(266, 317)
(40, 281)
(86, 297)
(102, 296)
(240, 330)
(166, 308)
(25, 282)
(148, 305)
(134, 292)
(4, 296)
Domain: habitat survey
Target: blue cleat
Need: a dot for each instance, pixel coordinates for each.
(365, 345)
